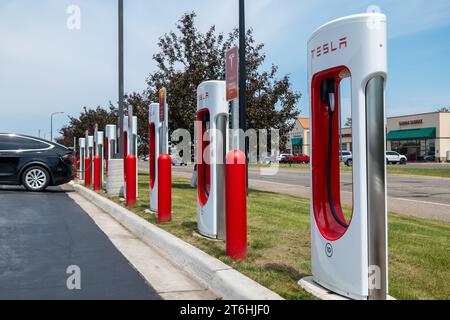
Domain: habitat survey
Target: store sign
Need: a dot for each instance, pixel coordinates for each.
(410, 122)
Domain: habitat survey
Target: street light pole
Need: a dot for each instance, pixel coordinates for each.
(242, 68)
(121, 80)
(51, 124)
(243, 80)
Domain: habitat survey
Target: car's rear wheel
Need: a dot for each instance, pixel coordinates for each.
(349, 163)
(36, 179)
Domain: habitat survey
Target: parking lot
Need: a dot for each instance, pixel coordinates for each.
(42, 234)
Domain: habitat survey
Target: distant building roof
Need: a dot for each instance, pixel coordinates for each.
(304, 122)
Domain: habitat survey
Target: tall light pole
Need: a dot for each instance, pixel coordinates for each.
(121, 81)
(243, 79)
(51, 124)
(242, 68)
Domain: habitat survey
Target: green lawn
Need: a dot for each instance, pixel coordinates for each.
(279, 244)
(391, 169)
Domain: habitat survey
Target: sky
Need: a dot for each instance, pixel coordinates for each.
(47, 67)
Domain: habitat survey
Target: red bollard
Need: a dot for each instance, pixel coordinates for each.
(164, 188)
(97, 172)
(236, 203)
(87, 171)
(130, 169)
(125, 155)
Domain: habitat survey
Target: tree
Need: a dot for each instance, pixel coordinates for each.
(86, 121)
(348, 123)
(445, 109)
(188, 57)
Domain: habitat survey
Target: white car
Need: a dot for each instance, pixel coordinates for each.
(395, 158)
(345, 155)
(282, 156)
(392, 157)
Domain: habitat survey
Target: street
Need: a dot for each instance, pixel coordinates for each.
(420, 196)
(42, 234)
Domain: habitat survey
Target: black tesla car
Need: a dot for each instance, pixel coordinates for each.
(34, 163)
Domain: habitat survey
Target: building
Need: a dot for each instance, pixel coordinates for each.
(420, 135)
(299, 137)
(416, 136)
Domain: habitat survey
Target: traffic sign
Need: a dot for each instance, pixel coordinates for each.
(232, 73)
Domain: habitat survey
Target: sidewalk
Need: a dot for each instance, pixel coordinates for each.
(169, 281)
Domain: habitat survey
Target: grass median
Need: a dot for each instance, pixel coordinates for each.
(391, 169)
(279, 243)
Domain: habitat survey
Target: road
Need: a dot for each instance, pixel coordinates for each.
(42, 234)
(420, 196)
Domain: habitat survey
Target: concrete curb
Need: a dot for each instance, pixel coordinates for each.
(219, 277)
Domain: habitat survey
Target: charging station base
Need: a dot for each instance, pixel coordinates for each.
(310, 286)
(148, 211)
(198, 235)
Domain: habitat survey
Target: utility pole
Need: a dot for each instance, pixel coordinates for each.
(121, 81)
(51, 124)
(243, 79)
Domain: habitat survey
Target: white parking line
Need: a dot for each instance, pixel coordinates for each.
(391, 198)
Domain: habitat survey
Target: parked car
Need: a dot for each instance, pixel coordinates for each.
(299, 158)
(430, 157)
(177, 160)
(392, 157)
(395, 158)
(283, 158)
(345, 155)
(34, 163)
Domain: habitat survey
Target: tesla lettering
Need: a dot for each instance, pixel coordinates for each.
(329, 47)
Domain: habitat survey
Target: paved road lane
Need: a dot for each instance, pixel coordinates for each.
(41, 234)
(419, 196)
(420, 188)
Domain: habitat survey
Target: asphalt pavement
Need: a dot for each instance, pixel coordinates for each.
(42, 235)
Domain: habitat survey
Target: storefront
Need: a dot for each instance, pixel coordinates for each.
(420, 137)
(299, 137)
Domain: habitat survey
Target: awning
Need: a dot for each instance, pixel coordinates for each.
(425, 133)
(297, 141)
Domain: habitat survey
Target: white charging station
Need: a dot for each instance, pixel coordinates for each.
(158, 144)
(349, 257)
(101, 153)
(90, 152)
(130, 134)
(212, 147)
(82, 153)
(110, 141)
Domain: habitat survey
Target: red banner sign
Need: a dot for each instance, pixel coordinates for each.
(232, 73)
(162, 104)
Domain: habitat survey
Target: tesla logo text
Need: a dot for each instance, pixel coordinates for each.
(329, 48)
(203, 96)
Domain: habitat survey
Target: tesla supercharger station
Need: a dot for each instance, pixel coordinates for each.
(130, 136)
(99, 152)
(212, 147)
(82, 152)
(349, 257)
(90, 152)
(158, 144)
(110, 142)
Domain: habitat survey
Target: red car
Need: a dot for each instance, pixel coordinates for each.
(299, 158)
